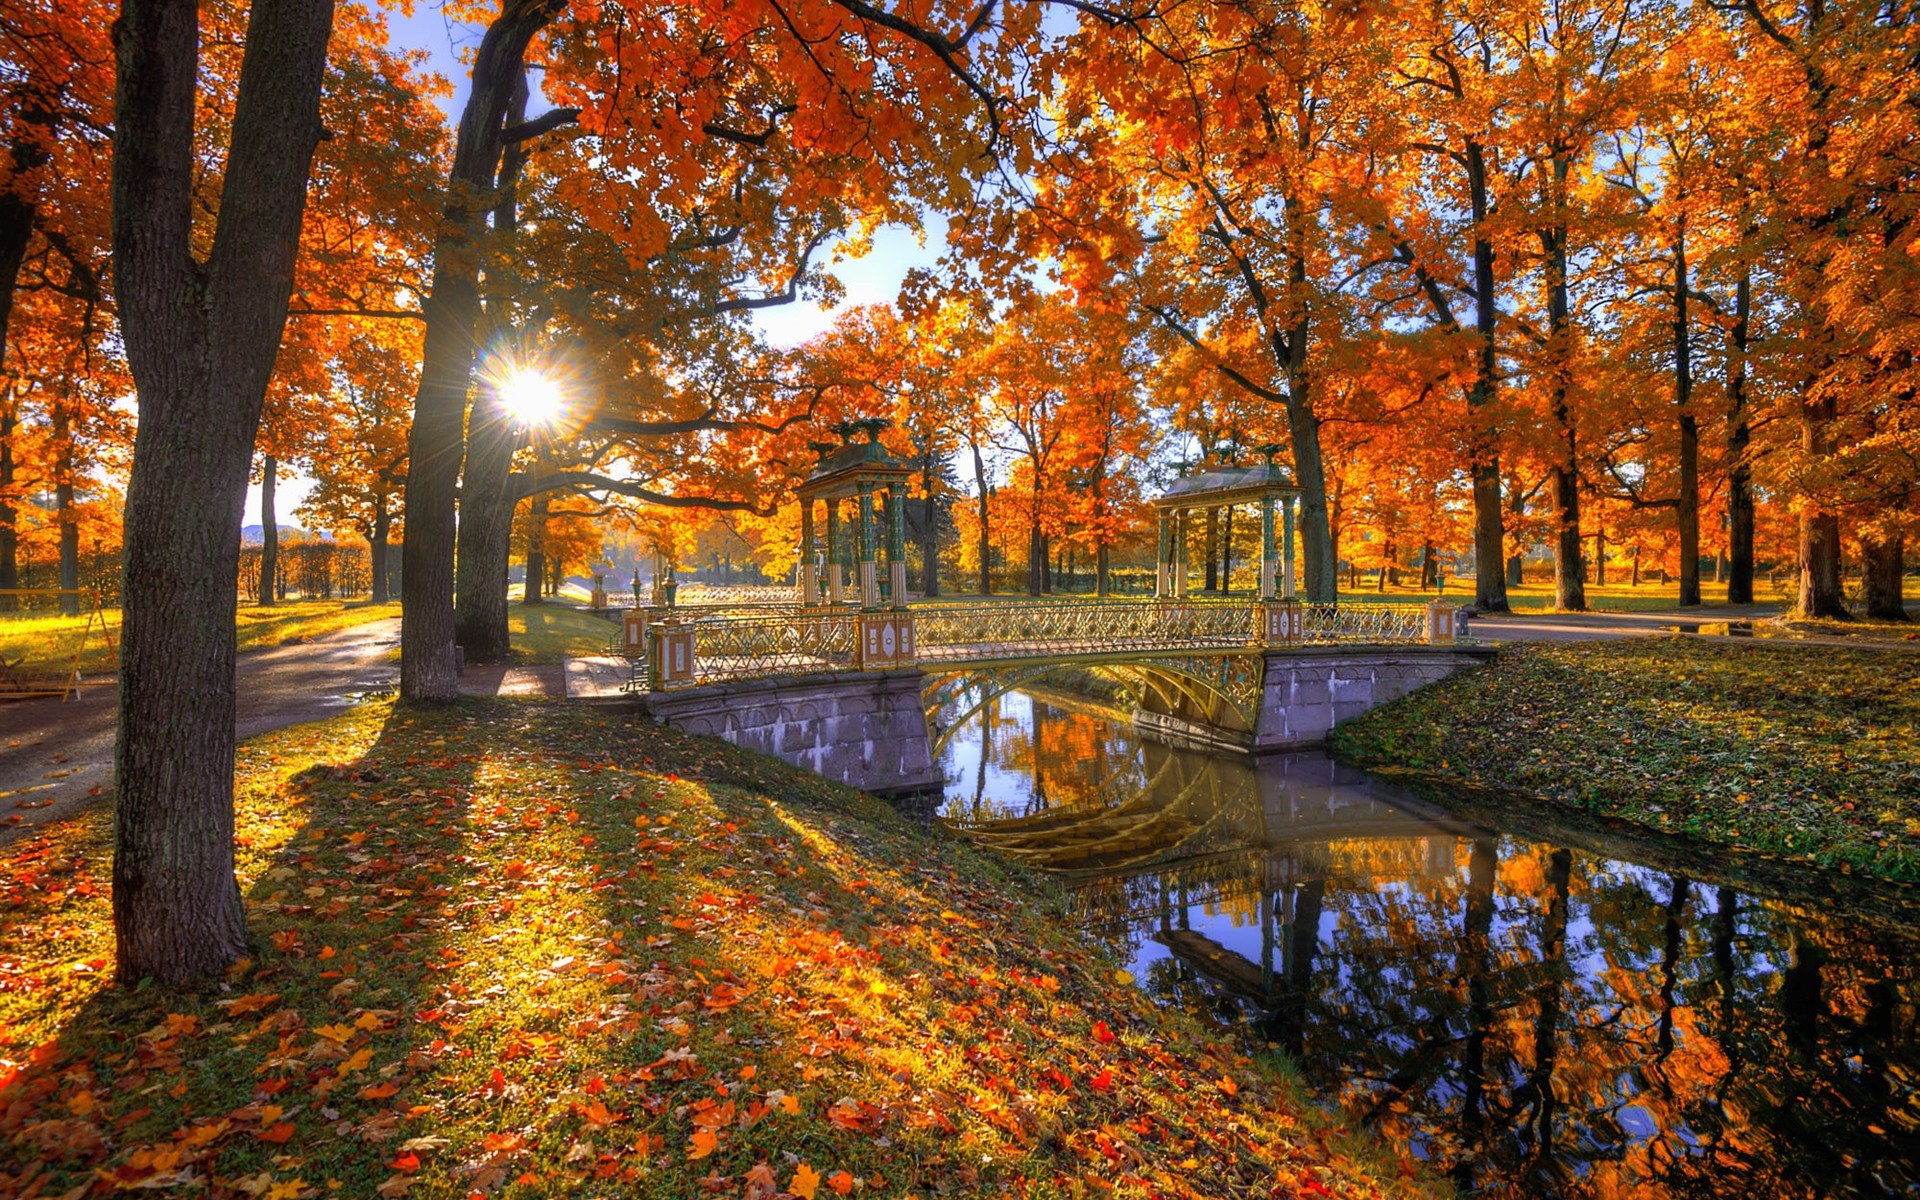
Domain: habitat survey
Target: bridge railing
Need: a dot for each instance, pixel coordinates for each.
(963, 632)
(717, 647)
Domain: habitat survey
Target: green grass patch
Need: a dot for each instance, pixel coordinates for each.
(1811, 754)
(527, 950)
(554, 632)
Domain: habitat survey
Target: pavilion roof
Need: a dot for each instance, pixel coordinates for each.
(1228, 485)
(840, 472)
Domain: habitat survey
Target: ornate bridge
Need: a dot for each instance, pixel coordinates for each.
(1198, 661)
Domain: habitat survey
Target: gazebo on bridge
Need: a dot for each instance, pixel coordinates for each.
(1228, 487)
(867, 478)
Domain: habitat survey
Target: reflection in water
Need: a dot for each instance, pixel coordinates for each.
(1534, 1019)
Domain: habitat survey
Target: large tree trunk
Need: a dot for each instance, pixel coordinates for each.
(1820, 594)
(534, 591)
(201, 340)
(1882, 565)
(435, 443)
(486, 485)
(1211, 551)
(269, 533)
(1489, 535)
(9, 515)
(64, 516)
(1036, 556)
(1688, 510)
(1740, 468)
(1569, 573)
(377, 549)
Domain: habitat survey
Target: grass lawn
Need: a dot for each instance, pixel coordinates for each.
(528, 950)
(43, 643)
(1807, 753)
(556, 631)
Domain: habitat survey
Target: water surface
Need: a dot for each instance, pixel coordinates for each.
(1535, 1019)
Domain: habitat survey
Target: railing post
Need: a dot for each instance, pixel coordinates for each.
(671, 664)
(1280, 622)
(1440, 622)
(633, 631)
(886, 640)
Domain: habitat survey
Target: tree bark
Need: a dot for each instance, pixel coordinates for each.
(533, 592)
(64, 516)
(1820, 594)
(201, 339)
(9, 515)
(1569, 573)
(1739, 466)
(1688, 510)
(269, 533)
(435, 443)
(377, 548)
(1882, 566)
(1211, 551)
(1489, 533)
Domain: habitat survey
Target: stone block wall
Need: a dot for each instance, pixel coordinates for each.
(866, 730)
(1307, 692)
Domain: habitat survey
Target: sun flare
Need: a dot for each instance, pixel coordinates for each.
(532, 397)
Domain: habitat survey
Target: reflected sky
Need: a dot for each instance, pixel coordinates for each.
(1535, 1019)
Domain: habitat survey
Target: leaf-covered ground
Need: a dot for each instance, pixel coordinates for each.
(1807, 752)
(525, 949)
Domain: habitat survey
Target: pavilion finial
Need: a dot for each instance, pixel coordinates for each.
(1269, 449)
(872, 427)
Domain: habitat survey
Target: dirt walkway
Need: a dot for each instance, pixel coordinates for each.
(55, 757)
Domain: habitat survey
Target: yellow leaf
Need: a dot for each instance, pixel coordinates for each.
(335, 1033)
(356, 1062)
(806, 1181)
(1228, 1086)
(1123, 976)
(704, 1143)
(790, 1105)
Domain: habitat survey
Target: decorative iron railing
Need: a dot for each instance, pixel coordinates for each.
(984, 632)
(748, 641)
(1367, 624)
(737, 647)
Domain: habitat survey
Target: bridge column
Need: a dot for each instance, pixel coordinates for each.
(1162, 560)
(897, 544)
(809, 580)
(869, 581)
(835, 589)
(1286, 563)
(1269, 554)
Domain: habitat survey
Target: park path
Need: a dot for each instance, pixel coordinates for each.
(1596, 626)
(55, 757)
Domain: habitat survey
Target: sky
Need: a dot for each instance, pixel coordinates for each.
(874, 279)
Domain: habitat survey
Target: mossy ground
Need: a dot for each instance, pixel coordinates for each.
(525, 949)
(1812, 753)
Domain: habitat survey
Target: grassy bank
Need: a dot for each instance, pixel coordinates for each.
(530, 950)
(1808, 753)
(556, 631)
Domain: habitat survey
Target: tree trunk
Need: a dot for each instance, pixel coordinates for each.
(930, 531)
(452, 310)
(64, 517)
(1599, 558)
(1882, 566)
(1102, 585)
(269, 532)
(1428, 566)
(986, 538)
(201, 339)
(1820, 594)
(1489, 534)
(1689, 506)
(1569, 573)
(9, 515)
(1310, 473)
(1036, 556)
(1740, 468)
(377, 547)
(536, 550)
(1226, 555)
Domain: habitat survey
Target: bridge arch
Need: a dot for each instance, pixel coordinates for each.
(1220, 691)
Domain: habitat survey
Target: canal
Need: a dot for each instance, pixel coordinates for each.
(1533, 1018)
